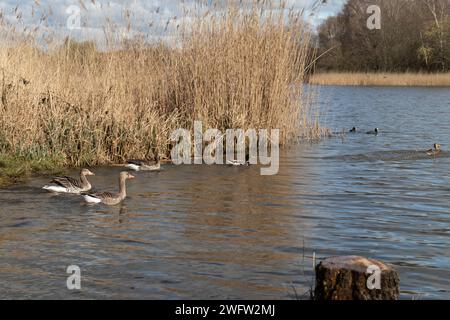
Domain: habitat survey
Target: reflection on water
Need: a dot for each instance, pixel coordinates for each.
(394, 155)
(227, 232)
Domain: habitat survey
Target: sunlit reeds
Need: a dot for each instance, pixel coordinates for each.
(84, 106)
(381, 79)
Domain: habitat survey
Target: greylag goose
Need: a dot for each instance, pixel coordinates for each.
(71, 185)
(144, 165)
(111, 199)
(376, 131)
(240, 163)
(436, 149)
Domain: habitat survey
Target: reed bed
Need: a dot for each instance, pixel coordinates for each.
(382, 79)
(82, 106)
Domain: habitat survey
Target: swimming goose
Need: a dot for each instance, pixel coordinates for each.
(71, 185)
(111, 199)
(240, 163)
(353, 129)
(376, 131)
(144, 165)
(436, 149)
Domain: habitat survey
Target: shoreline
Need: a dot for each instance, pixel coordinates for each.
(124, 104)
(15, 169)
(384, 79)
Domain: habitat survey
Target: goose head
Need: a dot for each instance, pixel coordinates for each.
(87, 172)
(437, 147)
(247, 159)
(124, 175)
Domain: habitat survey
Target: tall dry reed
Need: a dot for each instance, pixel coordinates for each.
(235, 69)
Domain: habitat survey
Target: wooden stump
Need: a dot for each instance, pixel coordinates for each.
(348, 278)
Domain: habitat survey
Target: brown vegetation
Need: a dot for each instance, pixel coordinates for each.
(381, 79)
(82, 106)
(414, 36)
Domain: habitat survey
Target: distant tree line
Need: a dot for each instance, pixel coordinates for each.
(414, 36)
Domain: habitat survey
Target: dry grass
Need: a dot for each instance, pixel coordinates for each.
(86, 107)
(382, 79)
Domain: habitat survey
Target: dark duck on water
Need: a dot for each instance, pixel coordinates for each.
(436, 150)
(375, 131)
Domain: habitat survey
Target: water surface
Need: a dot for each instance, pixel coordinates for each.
(210, 232)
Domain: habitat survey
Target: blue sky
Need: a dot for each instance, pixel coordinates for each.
(153, 17)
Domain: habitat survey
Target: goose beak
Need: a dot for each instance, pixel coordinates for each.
(131, 176)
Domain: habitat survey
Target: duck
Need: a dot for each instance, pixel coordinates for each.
(111, 199)
(239, 162)
(144, 165)
(375, 131)
(71, 185)
(436, 149)
(353, 129)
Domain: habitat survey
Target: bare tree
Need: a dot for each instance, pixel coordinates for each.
(414, 34)
(439, 9)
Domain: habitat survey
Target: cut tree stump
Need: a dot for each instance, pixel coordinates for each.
(348, 278)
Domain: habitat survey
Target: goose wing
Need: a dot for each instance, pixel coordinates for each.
(234, 162)
(147, 162)
(103, 195)
(136, 162)
(66, 182)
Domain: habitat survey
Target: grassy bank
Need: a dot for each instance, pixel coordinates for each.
(15, 168)
(381, 79)
(91, 107)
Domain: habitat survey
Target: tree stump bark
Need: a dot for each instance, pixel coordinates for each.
(355, 278)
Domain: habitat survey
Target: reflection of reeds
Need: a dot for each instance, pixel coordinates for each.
(233, 70)
(381, 79)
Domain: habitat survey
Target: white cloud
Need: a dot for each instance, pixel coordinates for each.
(150, 17)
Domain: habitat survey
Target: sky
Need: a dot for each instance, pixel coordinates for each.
(85, 19)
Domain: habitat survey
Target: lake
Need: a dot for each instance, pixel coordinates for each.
(219, 232)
